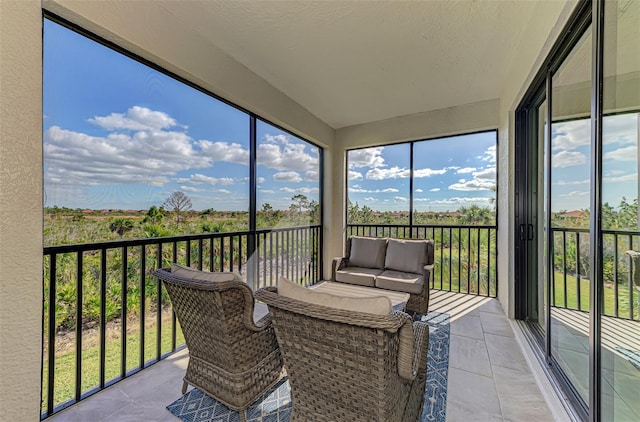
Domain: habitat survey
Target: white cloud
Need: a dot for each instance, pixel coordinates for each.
(631, 177)
(358, 189)
(369, 198)
(198, 179)
(224, 191)
(420, 199)
(568, 136)
(426, 172)
(287, 176)
(462, 201)
(191, 189)
(387, 173)
(621, 129)
(489, 155)
(571, 183)
(279, 152)
(258, 180)
(400, 199)
(267, 191)
(434, 190)
(74, 158)
(578, 193)
(473, 185)
(136, 118)
(568, 159)
(311, 175)
(466, 170)
(354, 175)
(303, 190)
(366, 157)
(419, 190)
(487, 174)
(224, 151)
(623, 154)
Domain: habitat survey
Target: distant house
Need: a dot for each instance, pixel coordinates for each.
(573, 215)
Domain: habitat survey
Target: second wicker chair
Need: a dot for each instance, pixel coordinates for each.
(231, 358)
(349, 366)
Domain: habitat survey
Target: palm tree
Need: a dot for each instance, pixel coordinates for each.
(121, 226)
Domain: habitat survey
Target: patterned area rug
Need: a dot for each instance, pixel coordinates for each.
(275, 404)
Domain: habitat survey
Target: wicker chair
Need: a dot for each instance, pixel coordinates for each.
(349, 366)
(231, 358)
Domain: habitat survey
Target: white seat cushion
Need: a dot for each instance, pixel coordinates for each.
(378, 305)
(358, 275)
(400, 281)
(409, 256)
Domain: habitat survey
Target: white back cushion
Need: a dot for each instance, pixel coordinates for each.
(367, 252)
(406, 255)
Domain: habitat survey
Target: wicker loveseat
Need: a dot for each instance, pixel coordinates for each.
(231, 357)
(346, 365)
(403, 265)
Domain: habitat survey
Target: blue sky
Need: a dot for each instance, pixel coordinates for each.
(449, 173)
(119, 135)
(571, 158)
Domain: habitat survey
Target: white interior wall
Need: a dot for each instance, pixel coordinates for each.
(20, 209)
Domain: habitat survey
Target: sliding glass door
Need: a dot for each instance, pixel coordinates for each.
(620, 319)
(578, 252)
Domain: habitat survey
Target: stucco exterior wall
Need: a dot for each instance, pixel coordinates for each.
(540, 34)
(20, 209)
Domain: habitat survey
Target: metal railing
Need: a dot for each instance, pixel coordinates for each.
(106, 317)
(571, 274)
(465, 256)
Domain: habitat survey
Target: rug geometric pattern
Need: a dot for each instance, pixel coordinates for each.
(275, 404)
(435, 395)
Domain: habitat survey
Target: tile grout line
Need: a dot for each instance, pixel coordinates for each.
(493, 375)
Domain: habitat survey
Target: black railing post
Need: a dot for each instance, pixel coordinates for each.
(124, 312)
(159, 301)
(51, 333)
(79, 295)
(143, 297)
(103, 314)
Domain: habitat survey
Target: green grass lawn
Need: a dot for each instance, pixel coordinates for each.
(572, 294)
(64, 379)
(609, 296)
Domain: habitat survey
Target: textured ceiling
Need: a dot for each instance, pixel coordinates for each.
(351, 62)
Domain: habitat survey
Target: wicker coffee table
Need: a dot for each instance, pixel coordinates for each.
(398, 299)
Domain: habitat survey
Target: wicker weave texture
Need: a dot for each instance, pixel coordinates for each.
(343, 366)
(230, 358)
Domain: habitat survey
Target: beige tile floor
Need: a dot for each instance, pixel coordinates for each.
(489, 379)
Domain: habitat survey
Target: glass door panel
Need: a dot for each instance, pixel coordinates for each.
(568, 237)
(620, 322)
